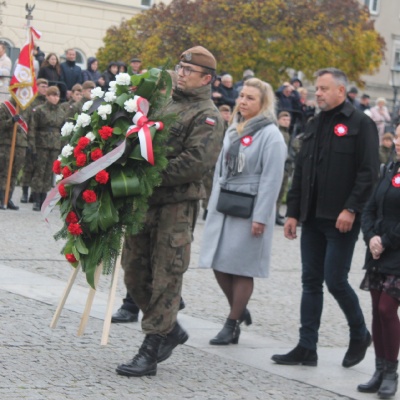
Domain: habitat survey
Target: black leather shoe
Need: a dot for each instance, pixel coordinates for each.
(279, 221)
(246, 317)
(356, 351)
(298, 356)
(145, 362)
(123, 316)
(177, 336)
(12, 206)
(230, 333)
(373, 385)
(182, 304)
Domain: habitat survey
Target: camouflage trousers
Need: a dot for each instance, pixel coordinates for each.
(43, 174)
(155, 260)
(28, 169)
(5, 160)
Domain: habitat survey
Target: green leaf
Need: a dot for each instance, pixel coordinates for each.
(75, 252)
(90, 215)
(122, 99)
(80, 245)
(108, 215)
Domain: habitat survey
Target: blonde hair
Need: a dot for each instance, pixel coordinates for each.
(267, 102)
(380, 100)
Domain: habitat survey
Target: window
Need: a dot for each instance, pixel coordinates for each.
(146, 3)
(373, 6)
(80, 59)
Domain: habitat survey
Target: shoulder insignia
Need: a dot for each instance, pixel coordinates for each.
(210, 121)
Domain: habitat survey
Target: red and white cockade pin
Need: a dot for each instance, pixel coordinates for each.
(246, 140)
(340, 130)
(396, 180)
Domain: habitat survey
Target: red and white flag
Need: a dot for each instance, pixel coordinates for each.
(23, 83)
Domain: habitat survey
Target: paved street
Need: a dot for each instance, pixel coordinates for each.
(38, 362)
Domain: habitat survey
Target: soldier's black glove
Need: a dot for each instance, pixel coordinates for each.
(16, 118)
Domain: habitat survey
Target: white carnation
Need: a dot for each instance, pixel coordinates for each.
(67, 150)
(59, 178)
(112, 87)
(87, 105)
(67, 129)
(131, 104)
(82, 120)
(90, 136)
(104, 110)
(96, 92)
(123, 79)
(109, 97)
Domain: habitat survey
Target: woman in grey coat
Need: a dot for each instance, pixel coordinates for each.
(251, 161)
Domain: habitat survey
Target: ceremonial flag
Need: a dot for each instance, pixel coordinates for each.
(23, 83)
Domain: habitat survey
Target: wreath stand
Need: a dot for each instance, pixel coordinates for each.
(89, 301)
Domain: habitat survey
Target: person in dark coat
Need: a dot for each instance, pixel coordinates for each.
(227, 91)
(109, 75)
(71, 73)
(381, 228)
(92, 72)
(334, 176)
(51, 71)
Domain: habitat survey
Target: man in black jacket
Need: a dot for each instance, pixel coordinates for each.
(71, 73)
(334, 175)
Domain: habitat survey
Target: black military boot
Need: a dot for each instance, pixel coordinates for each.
(10, 204)
(31, 198)
(229, 334)
(373, 385)
(145, 362)
(42, 198)
(24, 198)
(177, 336)
(2, 205)
(389, 382)
(36, 201)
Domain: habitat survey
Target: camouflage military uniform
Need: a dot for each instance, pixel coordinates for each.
(287, 172)
(155, 260)
(45, 143)
(71, 108)
(6, 133)
(29, 163)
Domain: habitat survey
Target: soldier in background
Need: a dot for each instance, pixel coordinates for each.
(226, 113)
(87, 91)
(155, 260)
(29, 163)
(45, 142)
(74, 105)
(7, 122)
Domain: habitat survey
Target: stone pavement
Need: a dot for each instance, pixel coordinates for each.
(42, 363)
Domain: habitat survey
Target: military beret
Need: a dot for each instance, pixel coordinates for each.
(136, 59)
(200, 56)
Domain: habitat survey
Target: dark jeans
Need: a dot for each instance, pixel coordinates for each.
(326, 256)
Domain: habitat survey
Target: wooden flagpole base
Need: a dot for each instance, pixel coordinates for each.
(64, 297)
(110, 303)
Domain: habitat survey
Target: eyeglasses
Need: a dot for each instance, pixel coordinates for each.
(187, 70)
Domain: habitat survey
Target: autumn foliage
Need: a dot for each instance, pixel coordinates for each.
(271, 37)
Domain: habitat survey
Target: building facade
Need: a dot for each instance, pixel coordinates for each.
(78, 24)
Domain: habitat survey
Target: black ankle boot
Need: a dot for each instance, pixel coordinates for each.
(42, 198)
(10, 204)
(246, 317)
(388, 387)
(24, 198)
(36, 201)
(177, 336)
(229, 334)
(373, 385)
(298, 356)
(145, 362)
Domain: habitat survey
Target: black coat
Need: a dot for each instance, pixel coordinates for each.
(381, 217)
(70, 74)
(348, 165)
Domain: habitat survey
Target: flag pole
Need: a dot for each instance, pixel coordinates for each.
(10, 164)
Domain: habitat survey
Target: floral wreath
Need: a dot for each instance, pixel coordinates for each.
(109, 167)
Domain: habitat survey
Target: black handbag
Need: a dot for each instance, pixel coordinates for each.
(236, 204)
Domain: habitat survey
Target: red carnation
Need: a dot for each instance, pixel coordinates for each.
(72, 218)
(62, 190)
(71, 258)
(75, 229)
(89, 196)
(57, 167)
(102, 177)
(66, 172)
(83, 142)
(81, 160)
(77, 151)
(96, 154)
(105, 132)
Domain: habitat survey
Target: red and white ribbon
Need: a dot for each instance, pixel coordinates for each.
(13, 113)
(142, 128)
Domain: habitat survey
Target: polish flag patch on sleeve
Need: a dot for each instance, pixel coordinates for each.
(210, 121)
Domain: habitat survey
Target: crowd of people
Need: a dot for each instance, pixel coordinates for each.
(243, 148)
